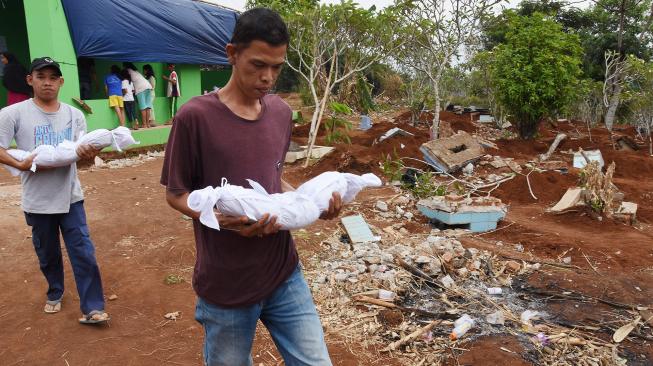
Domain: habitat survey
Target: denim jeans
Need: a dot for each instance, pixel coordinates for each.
(45, 237)
(289, 315)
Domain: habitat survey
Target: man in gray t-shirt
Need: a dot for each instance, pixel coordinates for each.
(52, 198)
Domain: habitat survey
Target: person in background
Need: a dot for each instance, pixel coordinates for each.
(113, 90)
(174, 89)
(14, 79)
(148, 72)
(142, 90)
(52, 198)
(128, 98)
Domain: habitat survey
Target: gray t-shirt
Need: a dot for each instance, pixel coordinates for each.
(48, 191)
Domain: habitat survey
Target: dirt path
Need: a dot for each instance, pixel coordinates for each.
(140, 242)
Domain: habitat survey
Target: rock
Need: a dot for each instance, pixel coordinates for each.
(495, 318)
(381, 206)
(408, 215)
(341, 277)
(435, 266)
(468, 169)
(513, 266)
(432, 239)
(402, 200)
(566, 260)
(447, 257)
(321, 279)
(463, 272)
(459, 262)
(173, 316)
(447, 281)
(113, 297)
(99, 162)
(422, 259)
(386, 215)
(400, 211)
(404, 232)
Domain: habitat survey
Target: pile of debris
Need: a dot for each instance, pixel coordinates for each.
(422, 294)
(127, 162)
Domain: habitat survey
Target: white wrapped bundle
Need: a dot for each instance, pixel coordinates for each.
(19, 155)
(321, 188)
(65, 153)
(292, 210)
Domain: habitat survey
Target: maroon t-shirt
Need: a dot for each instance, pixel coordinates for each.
(208, 142)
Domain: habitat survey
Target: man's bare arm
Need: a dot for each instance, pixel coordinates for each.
(7, 159)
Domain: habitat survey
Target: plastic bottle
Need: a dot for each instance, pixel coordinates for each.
(461, 326)
(494, 290)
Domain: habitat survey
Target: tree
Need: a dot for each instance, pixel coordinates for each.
(330, 44)
(433, 33)
(641, 92)
(536, 70)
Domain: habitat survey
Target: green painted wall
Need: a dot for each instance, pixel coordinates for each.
(214, 78)
(13, 29)
(48, 35)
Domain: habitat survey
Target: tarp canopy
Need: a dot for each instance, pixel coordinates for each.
(173, 31)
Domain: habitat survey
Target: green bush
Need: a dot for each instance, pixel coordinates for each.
(536, 70)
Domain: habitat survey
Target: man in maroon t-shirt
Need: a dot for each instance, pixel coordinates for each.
(245, 272)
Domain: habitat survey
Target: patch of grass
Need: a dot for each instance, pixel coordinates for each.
(173, 279)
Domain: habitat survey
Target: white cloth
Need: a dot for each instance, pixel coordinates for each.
(294, 210)
(140, 82)
(65, 153)
(321, 188)
(129, 91)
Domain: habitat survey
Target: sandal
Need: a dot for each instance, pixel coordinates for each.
(52, 306)
(95, 317)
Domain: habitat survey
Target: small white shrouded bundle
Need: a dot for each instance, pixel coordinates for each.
(321, 188)
(65, 153)
(293, 210)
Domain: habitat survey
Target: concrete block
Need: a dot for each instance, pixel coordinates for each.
(452, 153)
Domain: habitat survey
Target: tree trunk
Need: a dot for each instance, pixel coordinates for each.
(435, 127)
(614, 103)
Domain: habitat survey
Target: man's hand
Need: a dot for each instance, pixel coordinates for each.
(87, 152)
(240, 225)
(26, 164)
(335, 205)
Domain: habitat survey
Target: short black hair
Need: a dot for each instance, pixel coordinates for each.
(260, 24)
(115, 69)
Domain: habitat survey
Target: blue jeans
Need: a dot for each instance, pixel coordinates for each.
(45, 237)
(289, 315)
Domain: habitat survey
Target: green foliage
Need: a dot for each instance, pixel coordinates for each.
(536, 70)
(337, 126)
(425, 186)
(392, 166)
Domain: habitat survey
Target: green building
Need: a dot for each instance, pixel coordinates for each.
(36, 28)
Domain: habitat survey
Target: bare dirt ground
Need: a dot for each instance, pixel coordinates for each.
(143, 247)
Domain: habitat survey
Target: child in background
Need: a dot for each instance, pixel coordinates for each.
(113, 90)
(128, 99)
(148, 72)
(174, 89)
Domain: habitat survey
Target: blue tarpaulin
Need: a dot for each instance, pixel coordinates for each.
(174, 31)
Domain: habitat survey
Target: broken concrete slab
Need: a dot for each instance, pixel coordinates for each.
(393, 132)
(571, 198)
(477, 214)
(357, 229)
(627, 212)
(485, 118)
(452, 153)
(626, 143)
(592, 155)
(318, 152)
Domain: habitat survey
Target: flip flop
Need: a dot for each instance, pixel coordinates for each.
(95, 317)
(52, 306)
